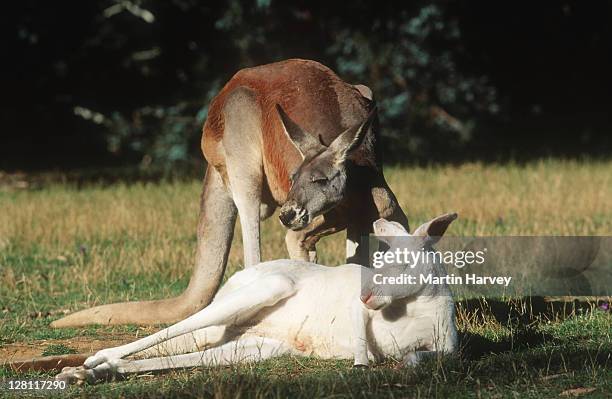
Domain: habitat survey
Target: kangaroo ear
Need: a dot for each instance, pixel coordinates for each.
(433, 230)
(351, 138)
(305, 143)
(365, 91)
(386, 231)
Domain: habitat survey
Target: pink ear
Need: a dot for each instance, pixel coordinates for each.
(383, 227)
(385, 231)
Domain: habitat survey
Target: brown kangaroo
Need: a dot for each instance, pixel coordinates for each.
(265, 143)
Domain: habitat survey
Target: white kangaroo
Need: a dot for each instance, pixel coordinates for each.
(300, 308)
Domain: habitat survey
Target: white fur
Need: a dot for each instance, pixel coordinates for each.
(296, 307)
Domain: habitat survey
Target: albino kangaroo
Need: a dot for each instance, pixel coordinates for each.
(296, 307)
(269, 123)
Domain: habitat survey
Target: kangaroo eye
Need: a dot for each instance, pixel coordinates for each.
(319, 179)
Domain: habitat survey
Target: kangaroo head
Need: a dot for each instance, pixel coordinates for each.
(396, 237)
(319, 183)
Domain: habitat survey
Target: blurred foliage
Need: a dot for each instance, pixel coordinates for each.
(138, 75)
(409, 59)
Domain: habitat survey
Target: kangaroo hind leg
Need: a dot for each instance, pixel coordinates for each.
(195, 341)
(232, 309)
(243, 350)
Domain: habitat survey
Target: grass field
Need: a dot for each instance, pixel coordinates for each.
(63, 249)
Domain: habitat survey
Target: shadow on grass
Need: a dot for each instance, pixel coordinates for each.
(522, 317)
(475, 346)
(526, 310)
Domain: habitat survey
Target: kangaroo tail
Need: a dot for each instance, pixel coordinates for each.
(215, 233)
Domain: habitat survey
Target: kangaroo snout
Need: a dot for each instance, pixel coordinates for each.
(286, 217)
(293, 216)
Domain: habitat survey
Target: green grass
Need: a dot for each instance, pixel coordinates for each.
(64, 248)
(58, 349)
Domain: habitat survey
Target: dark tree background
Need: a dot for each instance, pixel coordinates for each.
(114, 82)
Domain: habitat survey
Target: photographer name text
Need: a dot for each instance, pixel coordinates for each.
(451, 279)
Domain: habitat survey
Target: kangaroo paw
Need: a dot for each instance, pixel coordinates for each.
(103, 356)
(77, 375)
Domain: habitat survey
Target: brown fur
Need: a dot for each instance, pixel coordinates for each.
(321, 104)
(312, 94)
